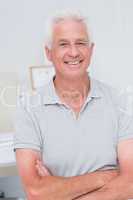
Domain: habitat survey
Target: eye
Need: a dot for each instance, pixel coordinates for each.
(82, 43)
(63, 44)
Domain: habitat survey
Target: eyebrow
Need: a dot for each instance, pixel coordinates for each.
(82, 40)
(77, 40)
(63, 40)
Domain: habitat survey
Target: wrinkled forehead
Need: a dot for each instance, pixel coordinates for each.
(68, 29)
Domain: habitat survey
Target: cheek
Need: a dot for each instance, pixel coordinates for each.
(87, 55)
(58, 55)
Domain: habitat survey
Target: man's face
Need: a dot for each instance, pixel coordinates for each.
(70, 52)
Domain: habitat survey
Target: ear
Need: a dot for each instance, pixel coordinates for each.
(91, 52)
(92, 47)
(48, 53)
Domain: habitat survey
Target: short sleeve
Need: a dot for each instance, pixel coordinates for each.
(27, 131)
(125, 117)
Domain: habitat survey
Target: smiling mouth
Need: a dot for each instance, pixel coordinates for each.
(73, 62)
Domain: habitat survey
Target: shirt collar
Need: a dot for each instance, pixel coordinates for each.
(95, 91)
(50, 96)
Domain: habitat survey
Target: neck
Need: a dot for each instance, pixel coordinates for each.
(74, 90)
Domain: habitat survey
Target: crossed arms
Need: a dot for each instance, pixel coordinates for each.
(39, 184)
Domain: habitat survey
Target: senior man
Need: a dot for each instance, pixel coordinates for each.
(77, 143)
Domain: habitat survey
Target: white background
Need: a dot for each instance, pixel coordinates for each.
(21, 42)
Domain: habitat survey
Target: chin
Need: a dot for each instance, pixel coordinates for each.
(74, 75)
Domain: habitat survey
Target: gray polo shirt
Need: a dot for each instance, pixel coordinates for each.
(71, 146)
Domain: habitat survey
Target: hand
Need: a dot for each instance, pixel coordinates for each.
(41, 169)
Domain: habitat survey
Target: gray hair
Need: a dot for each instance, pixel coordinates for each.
(61, 16)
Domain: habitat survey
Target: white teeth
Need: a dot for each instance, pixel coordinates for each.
(73, 63)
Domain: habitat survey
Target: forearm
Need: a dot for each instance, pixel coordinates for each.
(61, 188)
(120, 188)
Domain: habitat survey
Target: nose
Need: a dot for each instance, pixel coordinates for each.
(74, 51)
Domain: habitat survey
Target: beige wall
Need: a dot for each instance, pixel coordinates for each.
(8, 171)
(8, 94)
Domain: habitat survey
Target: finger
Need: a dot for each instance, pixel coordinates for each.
(40, 171)
(42, 167)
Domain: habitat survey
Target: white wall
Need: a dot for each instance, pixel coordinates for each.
(21, 41)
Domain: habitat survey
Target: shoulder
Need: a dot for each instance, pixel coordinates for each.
(112, 96)
(30, 104)
(106, 90)
(119, 99)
